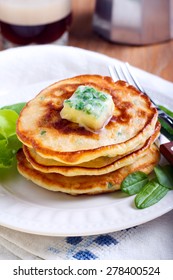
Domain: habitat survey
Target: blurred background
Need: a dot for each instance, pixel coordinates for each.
(89, 20)
(155, 58)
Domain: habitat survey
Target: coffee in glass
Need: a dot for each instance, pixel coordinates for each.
(26, 22)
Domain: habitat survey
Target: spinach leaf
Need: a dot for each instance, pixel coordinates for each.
(164, 175)
(134, 182)
(150, 194)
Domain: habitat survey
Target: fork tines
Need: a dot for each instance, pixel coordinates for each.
(123, 71)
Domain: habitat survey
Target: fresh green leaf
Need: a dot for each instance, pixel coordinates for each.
(2, 137)
(166, 126)
(9, 143)
(6, 155)
(164, 175)
(166, 133)
(15, 107)
(14, 144)
(134, 182)
(150, 194)
(166, 110)
(8, 120)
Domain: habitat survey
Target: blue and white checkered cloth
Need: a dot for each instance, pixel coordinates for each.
(152, 240)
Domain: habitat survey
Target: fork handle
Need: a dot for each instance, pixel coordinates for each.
(167, 151)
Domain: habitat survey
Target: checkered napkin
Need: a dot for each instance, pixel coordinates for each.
(152, 240)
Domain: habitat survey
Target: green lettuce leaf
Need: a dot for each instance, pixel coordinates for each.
(6, 154)
(15, 107)
(9, 143)
(8, 119)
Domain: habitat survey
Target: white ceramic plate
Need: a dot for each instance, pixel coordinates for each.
(29, 208)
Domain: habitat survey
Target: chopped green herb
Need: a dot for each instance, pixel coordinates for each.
(119, 133)
(110, 185)
(80, 105)
(103, 97)
(88, 108)
(69, 102)
(87, 96)
(43, 132)
(42, 97)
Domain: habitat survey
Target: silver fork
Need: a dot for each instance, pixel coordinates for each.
(123, 72)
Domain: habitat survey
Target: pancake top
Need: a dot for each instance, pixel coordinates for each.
(40, 125)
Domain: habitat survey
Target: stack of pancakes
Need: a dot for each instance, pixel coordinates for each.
(60, 155)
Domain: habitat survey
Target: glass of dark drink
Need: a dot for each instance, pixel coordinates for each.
(24, 22)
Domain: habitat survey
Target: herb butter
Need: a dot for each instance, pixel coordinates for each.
(88, 107)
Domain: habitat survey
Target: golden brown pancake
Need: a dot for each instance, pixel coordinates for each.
(33, 156)
(40, 126)
(86, 184)
(42, 165)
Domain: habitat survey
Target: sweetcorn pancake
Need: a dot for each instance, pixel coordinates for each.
(42, 165)
(87, 184)
(85, 134)
(41, 127)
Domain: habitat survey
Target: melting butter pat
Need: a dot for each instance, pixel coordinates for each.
(89, 108)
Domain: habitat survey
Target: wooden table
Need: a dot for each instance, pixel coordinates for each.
(156, 59)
